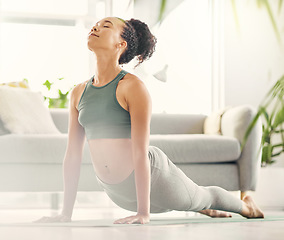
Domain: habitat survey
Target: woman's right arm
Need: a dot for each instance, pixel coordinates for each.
(72, 160)
(73, 155)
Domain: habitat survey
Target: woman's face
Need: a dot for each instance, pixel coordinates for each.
(105, 35)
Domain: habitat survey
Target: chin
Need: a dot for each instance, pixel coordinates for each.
(90, 47)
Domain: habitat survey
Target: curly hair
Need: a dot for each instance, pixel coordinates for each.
(140, 41)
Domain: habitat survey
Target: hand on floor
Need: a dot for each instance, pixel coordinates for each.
(138, 219)
(58, 218)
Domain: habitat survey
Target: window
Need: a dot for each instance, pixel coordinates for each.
(40, 52)
(53, 7)
(44, 40)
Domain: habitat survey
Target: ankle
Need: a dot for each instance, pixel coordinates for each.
(246, 211)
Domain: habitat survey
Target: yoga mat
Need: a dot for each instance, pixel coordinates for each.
(153, 222)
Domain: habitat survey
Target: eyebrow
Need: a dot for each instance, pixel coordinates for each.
(106, 21)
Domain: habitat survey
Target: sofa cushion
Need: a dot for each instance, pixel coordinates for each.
(197, 148)
(180, 148)
(36, 149)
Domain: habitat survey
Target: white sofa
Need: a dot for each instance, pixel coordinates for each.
(33, 163)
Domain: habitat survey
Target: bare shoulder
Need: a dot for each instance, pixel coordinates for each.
(135, 90)
(133, 83)
(77, 92)
(138, 99)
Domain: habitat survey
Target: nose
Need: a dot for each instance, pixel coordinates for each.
(95, 28)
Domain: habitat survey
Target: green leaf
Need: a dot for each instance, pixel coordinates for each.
(266, 136)
(63, 103)
(281, 130)
(162, 10)
(48, 84)
(52, 103)
(279, 6)
(273, 22)
(273, 123)
(276, 90)
(266, 154)
(236, 15)
(273, 113)
(62, 95)
(58, 103)
(279, 118)
(265, 115)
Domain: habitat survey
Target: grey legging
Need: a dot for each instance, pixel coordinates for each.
(171, 189)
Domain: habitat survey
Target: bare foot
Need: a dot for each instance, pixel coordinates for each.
(215, 214)
(250, 209)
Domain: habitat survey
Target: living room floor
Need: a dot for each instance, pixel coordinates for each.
(271, 230)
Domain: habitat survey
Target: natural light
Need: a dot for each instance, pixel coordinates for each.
(46, 40)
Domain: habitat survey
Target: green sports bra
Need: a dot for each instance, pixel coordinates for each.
(100, 113)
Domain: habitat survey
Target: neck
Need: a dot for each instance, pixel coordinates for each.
(106, 69)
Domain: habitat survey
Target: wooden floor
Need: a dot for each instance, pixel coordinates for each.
(273, 230)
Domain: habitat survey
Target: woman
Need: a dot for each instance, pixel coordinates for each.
(113, 111)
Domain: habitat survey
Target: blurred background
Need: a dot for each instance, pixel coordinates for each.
(210, 54)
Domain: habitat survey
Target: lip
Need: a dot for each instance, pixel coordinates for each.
(92, 34)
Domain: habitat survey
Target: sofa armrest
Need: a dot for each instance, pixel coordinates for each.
(234, 123)
(60, 117)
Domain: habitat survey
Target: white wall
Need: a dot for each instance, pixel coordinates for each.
(254, 59)
(184, 46)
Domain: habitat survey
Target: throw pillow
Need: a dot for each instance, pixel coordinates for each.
(22, 84)
(23, 112)
(212, 123)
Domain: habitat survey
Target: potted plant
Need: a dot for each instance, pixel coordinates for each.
(57, 102)
(271, 110)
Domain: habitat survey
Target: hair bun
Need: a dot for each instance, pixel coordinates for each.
(146, 41)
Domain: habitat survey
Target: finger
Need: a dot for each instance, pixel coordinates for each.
(129, 220)
(122, 220)
(118, 221)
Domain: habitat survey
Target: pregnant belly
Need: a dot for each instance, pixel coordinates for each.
(112, 159)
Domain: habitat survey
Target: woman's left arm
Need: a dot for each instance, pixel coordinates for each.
(140, 108)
